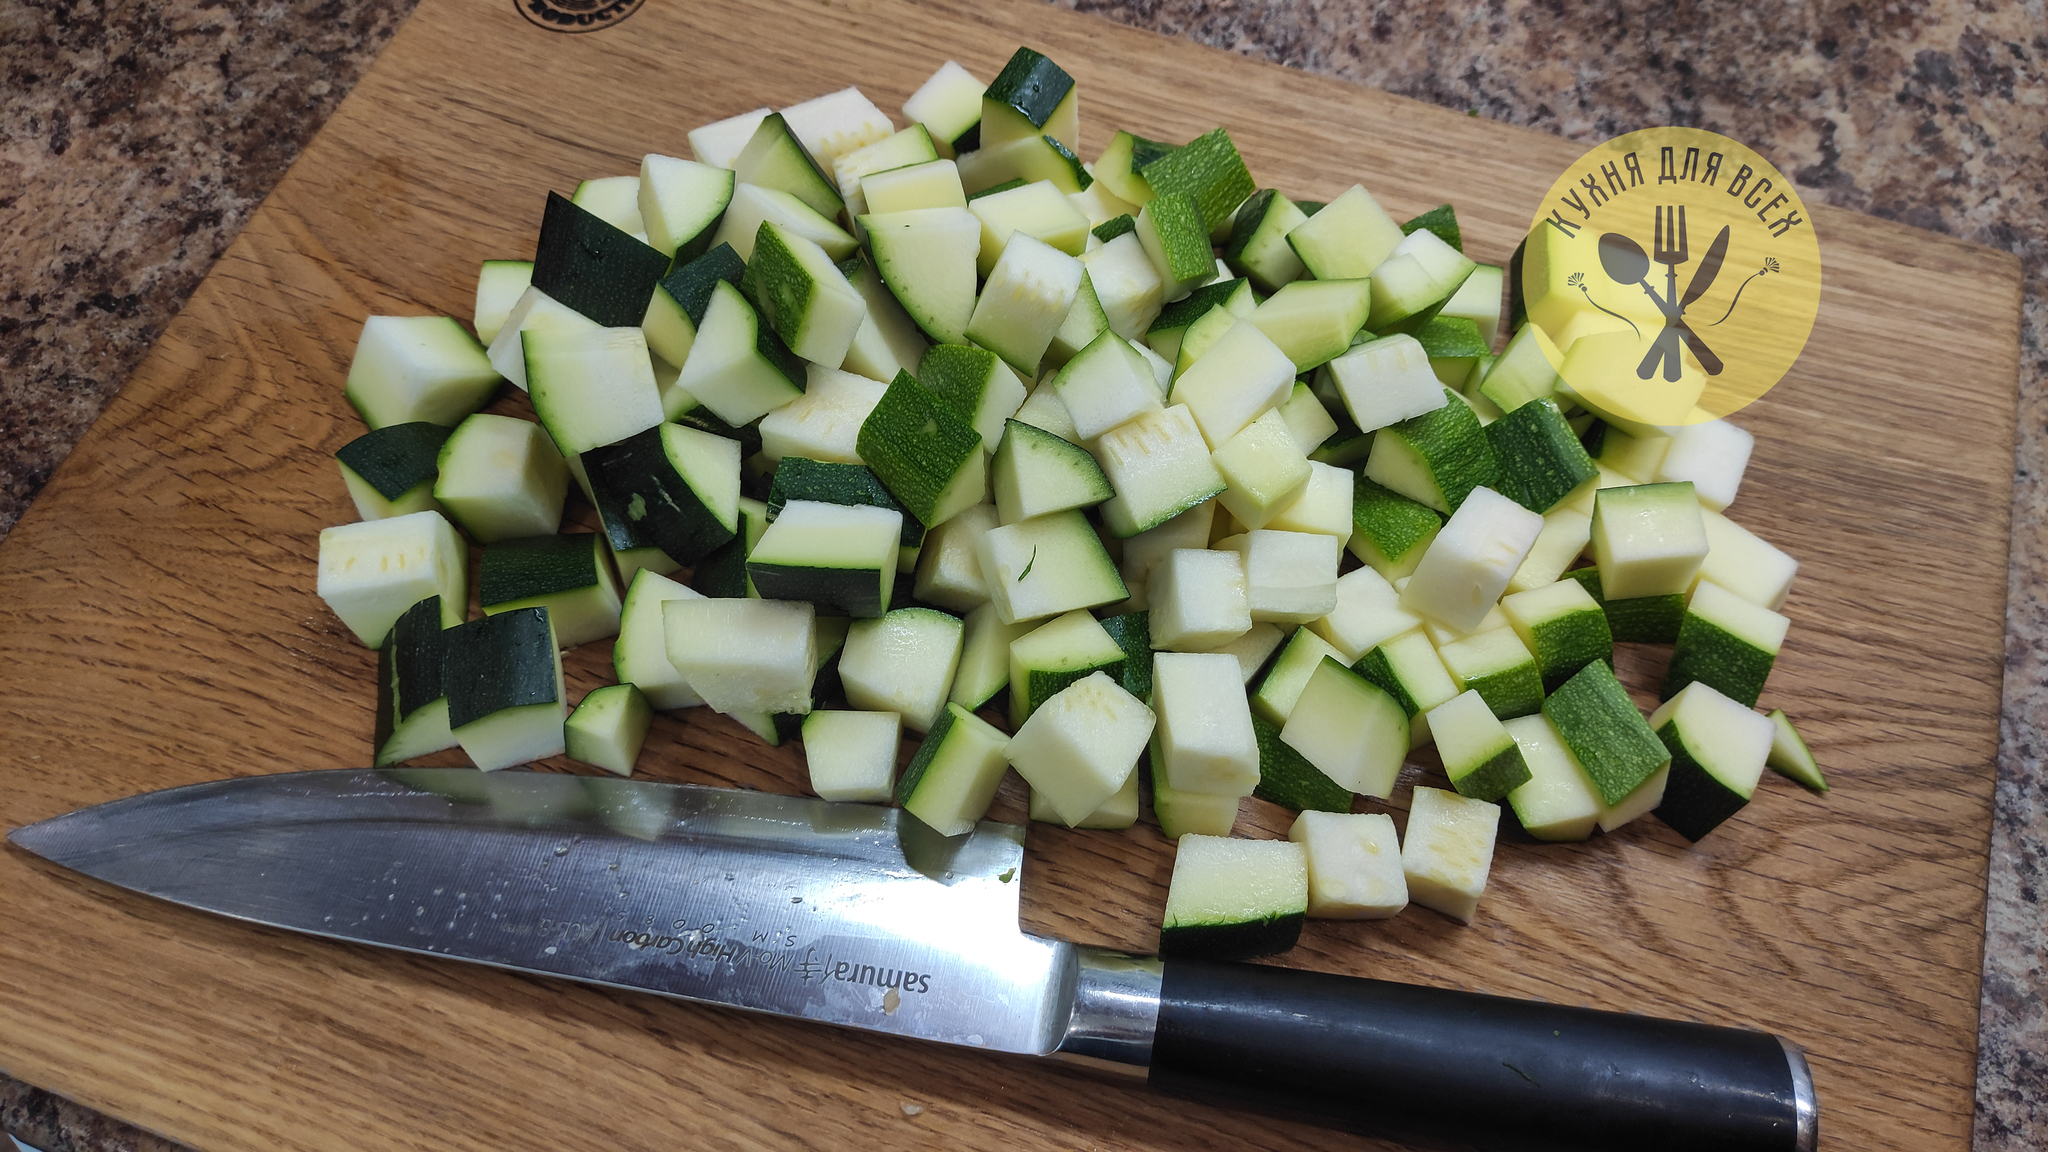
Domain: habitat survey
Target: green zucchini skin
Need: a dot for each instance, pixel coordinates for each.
(1695, 802)
(397, 458)
(691, 283)
(1114, 227)
(853, 592)
(1240, 941)
(1540, 459)
(1642, 620)
(1132, 632)
(410, 666)
(799, 478)
(585, 263)
(1442, 220)
(671, 515)
(1709, 653)
(1289, 780)
(499, 662)
(1031, 84)
(1610, 737)
(917, 468)
(536, 566)
(1207, 168)
(991, 190)
(1194, 305)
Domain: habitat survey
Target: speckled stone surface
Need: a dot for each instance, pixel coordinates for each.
(135, 139)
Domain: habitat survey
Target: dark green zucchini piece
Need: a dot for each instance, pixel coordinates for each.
(585, 263)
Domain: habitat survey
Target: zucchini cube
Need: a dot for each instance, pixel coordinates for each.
(1565, 534)
(412, 691)
(390, 471)
(775, 158)
(1790, 756)
(683, 482)
(1252, 649)
(1347, 238)
(1107, 384)
(680, 202)
(738, 367)
(1718, 749)
(978, 385)
(1421, 271)
(499, 286)
(802, 294)
(1437, 458)
(1199, 600)
(1035, 472)
(1449, 851)
(501, 478)
(1126, 285)
(1238, 379)
(719, 142)
(1081, 745)
(1047, 565)
(927, 455)
(568, 575)
(1307, 420)
(1636, 457)
(852, 755)
(1390, 532)
(1354, 865)
(1290, 577)
(1055, 654)
(1039, 209)
(1611, 739)
(608, 728)
(1563, 626)
(1367, 614)
(535, 311)
(1181, 813)
(1258, 248)
(372, 571)
(1265, 468)
(1387, 381)
(640, 655)
(1206, 742)
(984, 657)
(824, 423)
(591, 386)
(744, 655)
(1711, 456)
(1497, 665)
(506, 704)
(1026, 299)
(590, 265)
(1525, 371)
(1281, 686)
(1350, 729)
(926, 258)
(1314, 321)
(1744, 563)
(1160, 467)
(1133, 633)
(1642, 620)
(1234, 899)
(1176, 240)
(1287, 778)
(1030, 97)
(839, 557)
(1648, 540)
(1727, 642)
(1468, 565)
(678, 306)
(932, 184)
(1409, 669)
(953, 778)
(1119, 811)
(948, 569)
(903, 663)
(1479, 755)
(832, 125)
(1324, 505)
(1541, 462)
(1209, 170)
(948, 104)
(1558, 801)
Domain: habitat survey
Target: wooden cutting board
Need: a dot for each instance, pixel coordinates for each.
(158, 626)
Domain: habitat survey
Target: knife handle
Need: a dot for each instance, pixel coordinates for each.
(1440, 1067)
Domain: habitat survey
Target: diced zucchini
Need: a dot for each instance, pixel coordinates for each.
(832, 125)
(1287, 778)
(1790, 756)
(1480, 757)
(1210, 172)
(1265, 469)
(985, 656)
(752, 205)
(1252, 649)
(1350, 729)
(1559, 801)
(1744, 563)
(1036, 473)
(1307, 419)
(1726, 642)
(1617, 747)
(718, 143)
(1598, 375)
(723, 572)
(927, 258)
(888, 341)
(1540, 459)
(1642, 620)
(1181, 813)
(1354, 864)
(839, 557)
(738, 367)
(1449, 851)
(933, 184)
(953, 778)
(1368, 613)
(1497, 665)
(1190, 529)
(1126, 284)
(390, 471)
(1441, 220)
(744, 655)
(567, 575)
(591, 386)
(1046, 566)
(1563, 626)
(1437, 458)
(1206, 742)
(1176, 240)
(1198, 600)
(1237, 380)
(1167, 329)
(1415, 280)
(1347, 238)
(506, 704)
(1258, 248)
(1648, 539)
(1566, 532)
(1109, 383)
(1132, 632)
(1718, 748)
(1636, 457)
(1024, 302)
(852, 755)
(1281, 686)
(684, 485)
(902, 662)
(927, 454)
(1290, 577)
(1085, 323)
(803, 295)
(798, 478)
(1159, 466)
(948, 568)
(1031, 96)
(589, 265)
(680, 203)
(1390, 532)
(1468, 565)
(1455, 348)
(910, 148)
(1124, 159)
(1038, 210)
(1055, 654)
(534, 310)
(1081, 745)
(1313, 321)
(412, 695)
(1115, 226)
(1043, 410)
(1711, 456)
(640, 656)
(824, 423)
(948, 104)
(1101, 206)
(1478, 299)
(1119, 811)
(976, 383)
(499, 286)
(608, 728)
(680, 301)
(500, 478)
(1526, 370)
(1410, 671)
(414, 368)
(1234, 899)
(1027, 160)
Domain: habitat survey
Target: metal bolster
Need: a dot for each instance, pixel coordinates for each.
(1805, 1106)
(1116, 1010)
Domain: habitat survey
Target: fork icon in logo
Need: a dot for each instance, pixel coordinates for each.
(1625, 263)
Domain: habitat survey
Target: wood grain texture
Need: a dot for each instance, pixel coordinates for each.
(158, 626)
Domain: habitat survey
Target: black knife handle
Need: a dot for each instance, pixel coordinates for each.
(1443, 1068)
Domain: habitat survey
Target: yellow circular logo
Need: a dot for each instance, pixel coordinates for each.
(1672, 275)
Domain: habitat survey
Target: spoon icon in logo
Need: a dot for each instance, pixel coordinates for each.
(1625, 262)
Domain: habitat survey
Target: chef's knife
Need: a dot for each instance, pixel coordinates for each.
(860, 916)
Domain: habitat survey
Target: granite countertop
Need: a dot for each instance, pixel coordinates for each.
(135, 141)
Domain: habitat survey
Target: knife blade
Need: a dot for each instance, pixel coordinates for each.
(1710, 267)
(860, 916)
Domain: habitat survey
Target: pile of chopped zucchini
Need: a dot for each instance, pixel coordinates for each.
(877, 425)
